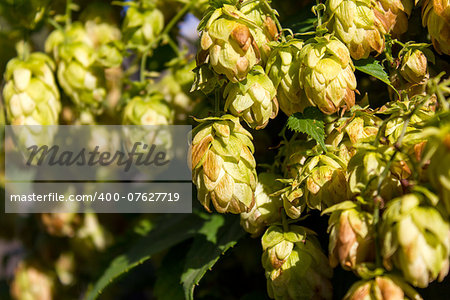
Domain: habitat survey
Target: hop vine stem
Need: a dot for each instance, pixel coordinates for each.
(163, 34)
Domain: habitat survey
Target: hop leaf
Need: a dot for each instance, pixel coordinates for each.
(309, 122)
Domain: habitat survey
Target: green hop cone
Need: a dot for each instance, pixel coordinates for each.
(415, 240)
(227, 43)
(295, 265)
(386, 287)
(365, 169)
(252, 99)
(437, 151)
(30, 94)
(411, 76)
(393, 15)
(436, 17)
(282, 67)
(267, 208)
(351, 235)
(106, 39)
(259, 12)
(151, 109)
(324, 180)
(326, 74)
(142, 25)
(356, 25)
(223, 166)
(31, 282)
(78, 74)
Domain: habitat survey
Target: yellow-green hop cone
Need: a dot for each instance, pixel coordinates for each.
(351, 235)
(415, 240)
(142, 24)
(366, 167)
(266, 30)
(30, 94)
(295, 265)
(282, 67)
(223, 166)
(267, 208)
(81, 78)
(227, 43)
(436, 17)
(356, 25)
(386, 287)
(106, 39)
(438, 152)
(150, 109)
(324, 180)
(393, 15)
(326, 74)
(414, 66)
(31, 282)
(252, 99)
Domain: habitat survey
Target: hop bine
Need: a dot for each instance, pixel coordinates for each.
(223, 167)
(326, 74)
(386, 287)
(266, 210)
(295, 266)
(31, 95)
(415, 240)
(351, 235)
(252, 99)
(282, 67)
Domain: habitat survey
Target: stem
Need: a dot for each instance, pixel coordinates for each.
(319, 17)
(68, 12)
(143, 65)
(284, 220)
(217, 102)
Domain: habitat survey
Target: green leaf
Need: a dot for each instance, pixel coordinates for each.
(219, 234)
(168, 285)
(309, 122)
(172, 230)
(374, 68)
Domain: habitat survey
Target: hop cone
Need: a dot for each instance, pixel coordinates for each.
(412, 75)
(31, 95)
(436, 16)
(366, 167)
(387, 287)
(393, 15)
(31, 282)
(79, 76)
(282, 68)
(253, 99)
(147, 110)
(266, 30)
(355, 24)
(351, 235)
(60, 224)
(324, 180)
(438, 171)
(142, 25)
(227, 43)
(294, 264)
(415, 240)
(223, 167)
(326, 74)
(266, 210)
